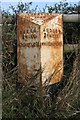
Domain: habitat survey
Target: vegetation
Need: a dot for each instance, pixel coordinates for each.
(26, 101)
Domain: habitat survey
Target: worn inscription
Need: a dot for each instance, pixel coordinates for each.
(47, 33)
(51, 33)
(38, 44)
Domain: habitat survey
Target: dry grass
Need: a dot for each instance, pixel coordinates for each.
(68, 101)
(25, 101)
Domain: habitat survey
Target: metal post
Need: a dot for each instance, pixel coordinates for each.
(71, 18)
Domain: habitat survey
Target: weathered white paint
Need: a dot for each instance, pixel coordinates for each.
(40, 46)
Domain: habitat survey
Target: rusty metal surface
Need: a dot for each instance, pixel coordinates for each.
(40, 47)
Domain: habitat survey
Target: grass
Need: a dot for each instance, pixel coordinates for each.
(23, 101)
(26, 102)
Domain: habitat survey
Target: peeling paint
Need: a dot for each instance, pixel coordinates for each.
(40, 47)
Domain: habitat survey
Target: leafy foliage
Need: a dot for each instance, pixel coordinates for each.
(63, 7)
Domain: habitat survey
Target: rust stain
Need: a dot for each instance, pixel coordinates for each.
(40, 46)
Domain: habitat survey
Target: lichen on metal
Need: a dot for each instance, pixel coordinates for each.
(40, 47)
